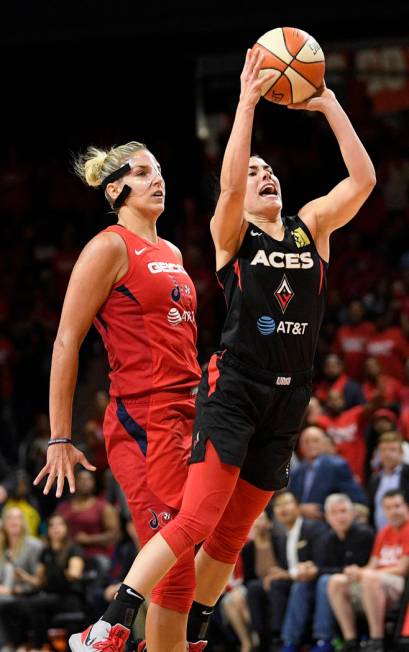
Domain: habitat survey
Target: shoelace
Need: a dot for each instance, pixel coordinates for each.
(112, 643)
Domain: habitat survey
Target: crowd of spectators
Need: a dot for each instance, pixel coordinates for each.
(349, 482)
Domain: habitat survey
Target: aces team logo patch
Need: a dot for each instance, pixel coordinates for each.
(284, 294)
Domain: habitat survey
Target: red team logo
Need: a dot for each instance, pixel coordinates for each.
(159, 520)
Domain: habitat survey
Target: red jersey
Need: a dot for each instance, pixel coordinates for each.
(389, 387)
(348, 432)
(326, 386)
(148, 322)
(391, 348)
(350, 345)
(391, 544)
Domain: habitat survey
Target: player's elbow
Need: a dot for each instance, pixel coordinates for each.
(367, 181)
(66, 342)
(370, 180)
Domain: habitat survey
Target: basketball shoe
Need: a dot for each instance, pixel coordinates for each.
(99, 637)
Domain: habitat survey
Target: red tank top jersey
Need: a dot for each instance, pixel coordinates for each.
(148, 322)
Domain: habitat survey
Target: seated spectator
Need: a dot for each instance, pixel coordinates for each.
(347, 429)
(281, 562)
(19, 554)
(393, 474)
(377, 383)
(320, 474)
(379, 584)
(389, 345)
(346, 543)
(383, 420)
(336, 378)
(20, 496)
(351, 338)
(92, 522)
(5, 481)
(56, 581)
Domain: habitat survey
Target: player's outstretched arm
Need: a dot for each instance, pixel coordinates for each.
(228, 221)
(343, 202)
(91, 280)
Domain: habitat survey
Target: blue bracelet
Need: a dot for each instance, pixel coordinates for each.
(59, 440)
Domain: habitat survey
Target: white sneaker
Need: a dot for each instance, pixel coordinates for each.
(100, 636)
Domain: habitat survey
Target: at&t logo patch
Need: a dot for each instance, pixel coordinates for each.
(175, 317)
(266, 325)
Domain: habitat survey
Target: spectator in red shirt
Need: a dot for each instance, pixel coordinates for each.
(390, 346)
(335, 378)
(377, 585)
(351, 338)
(347, 429)
(377, 383)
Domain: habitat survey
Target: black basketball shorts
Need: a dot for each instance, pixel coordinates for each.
(252, 417)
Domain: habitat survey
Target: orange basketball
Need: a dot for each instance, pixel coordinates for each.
(297, 61)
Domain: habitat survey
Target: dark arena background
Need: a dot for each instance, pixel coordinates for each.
(167, 74)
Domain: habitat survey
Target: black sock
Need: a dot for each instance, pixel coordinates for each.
(198, 622)
(124, 608)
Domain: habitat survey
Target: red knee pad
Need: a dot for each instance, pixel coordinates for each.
(232, 531)
(176, 590)
(208, 489)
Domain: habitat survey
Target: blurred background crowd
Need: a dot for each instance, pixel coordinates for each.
(354, 444)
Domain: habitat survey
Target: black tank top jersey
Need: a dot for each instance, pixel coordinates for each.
(275, 293)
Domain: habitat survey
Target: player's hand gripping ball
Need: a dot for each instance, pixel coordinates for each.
(297, 61)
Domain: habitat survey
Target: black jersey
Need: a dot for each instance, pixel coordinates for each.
(275, 293)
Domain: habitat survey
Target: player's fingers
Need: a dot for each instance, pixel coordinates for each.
(247, 61)
(60, 484)
(265, 79)
(41, 475)
(71, 480)
(50, 482)
(87, 465)
(258, 60)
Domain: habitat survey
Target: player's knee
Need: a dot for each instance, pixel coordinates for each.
(174, 598)
(186, 532)
(224, 544)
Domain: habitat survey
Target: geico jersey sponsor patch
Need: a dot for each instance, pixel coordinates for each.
(157, 267)
(279, 259)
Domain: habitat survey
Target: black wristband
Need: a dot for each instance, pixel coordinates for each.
(59, 440)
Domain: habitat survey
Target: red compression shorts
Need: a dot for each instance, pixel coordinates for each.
(148, 445)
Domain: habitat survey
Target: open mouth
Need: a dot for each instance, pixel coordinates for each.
(268, 190)
(158, 193)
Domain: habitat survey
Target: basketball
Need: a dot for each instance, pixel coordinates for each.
(297, 61)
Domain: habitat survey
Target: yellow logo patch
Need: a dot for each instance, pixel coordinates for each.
(300, 237)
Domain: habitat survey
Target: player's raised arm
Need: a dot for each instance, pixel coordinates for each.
(335, 209)
(228, 224)
(92, 278)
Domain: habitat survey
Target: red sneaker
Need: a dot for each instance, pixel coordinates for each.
(100, 637)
